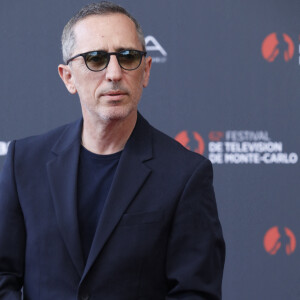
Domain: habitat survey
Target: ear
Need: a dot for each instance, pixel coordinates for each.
(148, 63)
(65, 74)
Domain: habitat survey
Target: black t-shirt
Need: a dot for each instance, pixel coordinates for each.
(95, 175)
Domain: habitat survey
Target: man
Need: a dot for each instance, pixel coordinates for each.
(107, 207)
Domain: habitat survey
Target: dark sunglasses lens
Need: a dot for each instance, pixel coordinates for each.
(130, 59)
(96, 61)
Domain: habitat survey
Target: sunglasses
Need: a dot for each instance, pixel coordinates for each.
(98, 60)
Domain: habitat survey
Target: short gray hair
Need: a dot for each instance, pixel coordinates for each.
(68, 40)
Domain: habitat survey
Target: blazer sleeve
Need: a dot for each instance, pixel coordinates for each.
(196, 249)
(12, 233)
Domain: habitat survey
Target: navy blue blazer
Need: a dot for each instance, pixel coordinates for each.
(158, 237)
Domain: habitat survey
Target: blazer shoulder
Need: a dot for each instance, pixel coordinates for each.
(42, 143)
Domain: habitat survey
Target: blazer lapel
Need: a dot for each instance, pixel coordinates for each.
(62, 174)
(130, 176)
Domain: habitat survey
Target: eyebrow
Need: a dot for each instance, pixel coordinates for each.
(125, 48)
(117, 50)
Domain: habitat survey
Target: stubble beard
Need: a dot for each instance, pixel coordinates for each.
(110, 112)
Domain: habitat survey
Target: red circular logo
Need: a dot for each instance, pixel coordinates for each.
(276, 239)
(183, 138)
(277, 44)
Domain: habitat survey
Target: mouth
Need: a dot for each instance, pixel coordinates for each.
(114, 95)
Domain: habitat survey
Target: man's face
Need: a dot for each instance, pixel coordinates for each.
(113, 93)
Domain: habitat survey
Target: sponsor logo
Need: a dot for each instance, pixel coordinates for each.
(279, 239)
(3, 148)
(248, 147)
(155, 50)
(239, 147)
(277, 45)
(183, 138)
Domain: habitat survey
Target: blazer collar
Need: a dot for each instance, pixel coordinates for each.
(62, 176)
(139, 143)
(71, 136)
(130, 175)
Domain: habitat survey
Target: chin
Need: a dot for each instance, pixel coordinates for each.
(115, 114)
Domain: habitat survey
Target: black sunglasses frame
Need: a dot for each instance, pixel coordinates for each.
(108, 54)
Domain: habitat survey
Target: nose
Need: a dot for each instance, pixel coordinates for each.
(113, 70)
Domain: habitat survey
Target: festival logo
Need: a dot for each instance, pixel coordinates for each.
(239, 147)
(277, 45)
(155, 50)
(183, 138)
(279, 239)
(247, 147)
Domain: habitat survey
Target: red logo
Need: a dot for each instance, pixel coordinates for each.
(276, 239)
(277, 44)
(183, 138)
(215, 136)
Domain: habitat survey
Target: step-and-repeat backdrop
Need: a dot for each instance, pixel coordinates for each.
(225, 83)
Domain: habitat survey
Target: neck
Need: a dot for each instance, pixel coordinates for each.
(107, 137)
